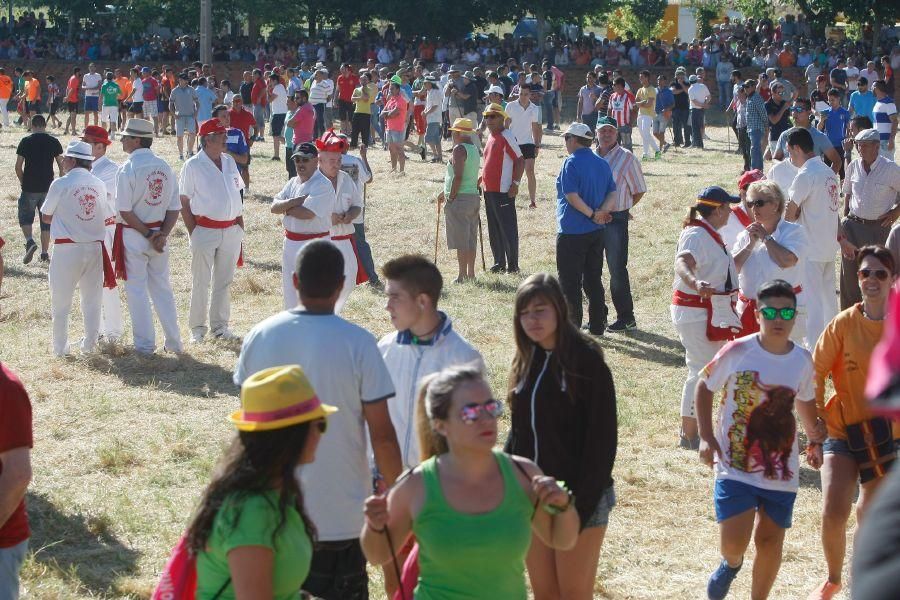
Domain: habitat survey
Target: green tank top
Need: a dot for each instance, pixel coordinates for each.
(473, 557)
(469, 183)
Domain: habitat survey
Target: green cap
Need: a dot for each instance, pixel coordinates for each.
(396, 79)
(603, 121)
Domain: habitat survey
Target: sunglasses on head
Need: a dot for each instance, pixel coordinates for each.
(879, 274)
(769, 313)
(474, 411)
(759, 203)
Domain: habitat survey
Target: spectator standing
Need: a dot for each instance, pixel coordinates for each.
(279, 103)
(361, 121)
(343, 363)
(433, 117)
(699, 96)
(259, 99)
(777, 109)
(6, 92)
(583, 185)
(183, 103)
(645, 101)
(394, 114)
(524, 121)
(347, 82)
(862, 101)
(835, 120)
(665, 102)
(72, 87)
(35, 156)
(319, 93)
(304, 121)
(109, 98)
(91, 84)
(551, 89)
(16, 442)
(757, 121)
(681, 126)
(739, 107)
(588, 94)
(885, 113)
(723, 79)
(150, 90)
(802, 115)
(501, 172)
(463, 202)
(622, 109)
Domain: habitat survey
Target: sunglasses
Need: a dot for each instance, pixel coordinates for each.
(880, 274)
(786, 314)
(474, 411)
(758, 203)
(321, 425)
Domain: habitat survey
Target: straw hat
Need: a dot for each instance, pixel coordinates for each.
(463, 126)
(278, 397)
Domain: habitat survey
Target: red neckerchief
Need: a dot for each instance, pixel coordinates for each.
(742, 215)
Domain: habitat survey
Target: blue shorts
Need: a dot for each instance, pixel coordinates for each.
(732, 498)
(91, 103)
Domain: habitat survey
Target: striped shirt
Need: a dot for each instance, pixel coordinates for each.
(627, 174)
(882, 112)
(500, 151)
(602, 103)
(620, 107)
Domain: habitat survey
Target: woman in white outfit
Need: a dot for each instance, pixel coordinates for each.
(703, 267)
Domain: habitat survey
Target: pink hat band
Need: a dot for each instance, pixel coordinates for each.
(283, 413)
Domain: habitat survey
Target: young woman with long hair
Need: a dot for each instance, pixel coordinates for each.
(563, 407)
(250, 534)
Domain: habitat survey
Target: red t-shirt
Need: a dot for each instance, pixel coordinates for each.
(72, 89)
(243, 120)
(151, 89)
(15, 432)
(346, 85)
(259, 94)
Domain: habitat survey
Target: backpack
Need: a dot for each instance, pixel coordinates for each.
(179, 577)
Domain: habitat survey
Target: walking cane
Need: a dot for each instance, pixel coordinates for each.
(481, 243)
(728, 136)
(437, 228)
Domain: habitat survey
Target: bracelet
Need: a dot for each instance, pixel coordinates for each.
(554, 510)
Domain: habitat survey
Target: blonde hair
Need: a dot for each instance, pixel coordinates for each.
(766, 189)
(433, 402)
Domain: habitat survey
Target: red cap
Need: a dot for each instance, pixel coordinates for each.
(96, 134)
(749, 177)
(332, 142)
(210, 127)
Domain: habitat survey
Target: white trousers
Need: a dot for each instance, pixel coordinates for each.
(645, 126)
(74, 265)
(148, 279)
(290, 250)
(821, 299)
(698, 351)
(350, 269)
(111, 325)
(4, 111)
(214, 254)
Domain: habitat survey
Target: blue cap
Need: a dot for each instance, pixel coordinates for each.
(716, 194)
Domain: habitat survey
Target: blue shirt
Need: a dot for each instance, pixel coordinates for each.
(862, 104)
(587, 174)
(205, 99)
(665, 99)
(836, 124)
(235, 142)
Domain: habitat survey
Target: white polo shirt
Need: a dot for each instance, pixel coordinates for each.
(783, 173)
(817, 191)
(874, 193)
(91, 83)
(355, 167)
(346, 194)
(105, 170)
(77, 202)
(520, 120)
(759, 266)
(147, 186)
(322, 204)
(214, 194)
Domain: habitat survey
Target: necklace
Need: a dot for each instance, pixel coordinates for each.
(866, 315)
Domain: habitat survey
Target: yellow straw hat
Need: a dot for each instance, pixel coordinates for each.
(278, 397)
(463, 126)
(494, 109)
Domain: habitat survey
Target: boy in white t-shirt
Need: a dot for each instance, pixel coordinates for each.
(753, 447)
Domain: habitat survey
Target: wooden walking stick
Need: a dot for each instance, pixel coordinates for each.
(481, 242)
(437, 228)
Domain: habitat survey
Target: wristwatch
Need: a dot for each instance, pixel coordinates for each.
(148, 234)
(516, 183)
(769, 238)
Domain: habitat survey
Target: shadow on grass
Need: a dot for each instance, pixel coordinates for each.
(78, 546)
(13, 271)
(268, 265)
(496, 284)
(645, 346)
(183, 374)
(810, 478)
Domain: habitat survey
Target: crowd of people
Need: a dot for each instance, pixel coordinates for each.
(351, 450)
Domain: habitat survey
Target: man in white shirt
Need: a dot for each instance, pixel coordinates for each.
(345, 368)
(524, 121)
(278, 104)
(699, 97)
(814, 202)
(307, 207)
(148, 203)
(433, 114)
(212, 210)
(358, 168)
(869, 72)
(76, 209)
(319, 93)
(111, 326)
(91, 84)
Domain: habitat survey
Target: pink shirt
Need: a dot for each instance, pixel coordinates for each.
(398, 121)
(306, 120)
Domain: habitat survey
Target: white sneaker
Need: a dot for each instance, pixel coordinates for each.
(226, 334)
(197, 337)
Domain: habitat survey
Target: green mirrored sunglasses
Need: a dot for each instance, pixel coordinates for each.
(786, 314)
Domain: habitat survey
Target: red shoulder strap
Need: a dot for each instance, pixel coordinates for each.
(741, 215)
(712, 232)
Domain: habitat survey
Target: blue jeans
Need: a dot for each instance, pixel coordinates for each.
(365, 252)
(697, 127)
(615, 243)
(756, 148)
(376, 120)
(725, 91)
(11, 560)
(547, 104)
(319, 127)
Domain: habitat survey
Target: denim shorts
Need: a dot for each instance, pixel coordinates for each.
(837, 446)
(29, 203)
(600, 518)
(433, 133)
(394, 137)
(732, 498)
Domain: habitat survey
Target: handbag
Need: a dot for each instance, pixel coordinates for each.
(871, 443)
(179, 577)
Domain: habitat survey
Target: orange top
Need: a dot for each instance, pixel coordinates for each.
(843, 351)
(125, 86)
(6, 86)
(33, 90)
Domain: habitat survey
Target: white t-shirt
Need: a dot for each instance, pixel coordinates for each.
(346, 195)
(751, 377)
(279, 104)
(356, 169)
(783, 173)
(346, 370)
(852, 78)
(322, 204)
(91, 83)
(329, 90)
(214, 194)
(147, 186)
(434, 98)
(105, 170)
(817, 191)
(138, 90)
(759, 266)
(520, 120)
(714, 264)
(730, 230)
(698, 94)
(77, 202)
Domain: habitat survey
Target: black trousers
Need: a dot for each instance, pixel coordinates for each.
(697, 127)
(744, 145)
(503, 229)
(338, 571)
(681, 127)
(360, 124)
(579, 262)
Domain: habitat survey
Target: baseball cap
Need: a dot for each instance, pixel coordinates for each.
(579, 130)
(714, 195)
(606, 122)
(305, 150)
(495, 89)
(211, 127)
(749, 177)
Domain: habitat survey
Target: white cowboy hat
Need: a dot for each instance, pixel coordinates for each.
(78, 149)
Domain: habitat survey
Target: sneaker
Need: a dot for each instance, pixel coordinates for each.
(599, 331)
(689, 444)
(623, 325)
(226, 334)
(30, 249)
(197, 336)
(720, 581)
(498, 269)
(422, 152)
(181, 157)
(45, 257)
(276, 158)
(826, 591)
(666, 147)
(658, 155)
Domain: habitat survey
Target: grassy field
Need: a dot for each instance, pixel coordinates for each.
(124, 444)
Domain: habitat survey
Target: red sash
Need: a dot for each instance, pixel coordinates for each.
(109, 275)
(361, 276)
(213, 224)
(748, 317)
(303, 237)
(742, 216)
(118, 249)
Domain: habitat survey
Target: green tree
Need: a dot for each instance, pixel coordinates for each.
(643, 18)
(822, 13)
(705, 11)
(757, 9)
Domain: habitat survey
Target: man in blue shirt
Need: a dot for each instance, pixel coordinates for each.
(206, 98)
(834, 123)
(236, 144)
(584, 182)
(665, 102)
(862, 101)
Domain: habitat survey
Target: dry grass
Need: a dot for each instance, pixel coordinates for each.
(124, 445)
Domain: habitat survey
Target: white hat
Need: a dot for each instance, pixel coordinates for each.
(141, 128)
(580, 130)
(867, 135)
(78, 149)
(495, 89)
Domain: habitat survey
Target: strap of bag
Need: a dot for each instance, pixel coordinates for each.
(222, 589)
(527, 477)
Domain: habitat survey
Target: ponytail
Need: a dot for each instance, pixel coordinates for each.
(704, 211)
